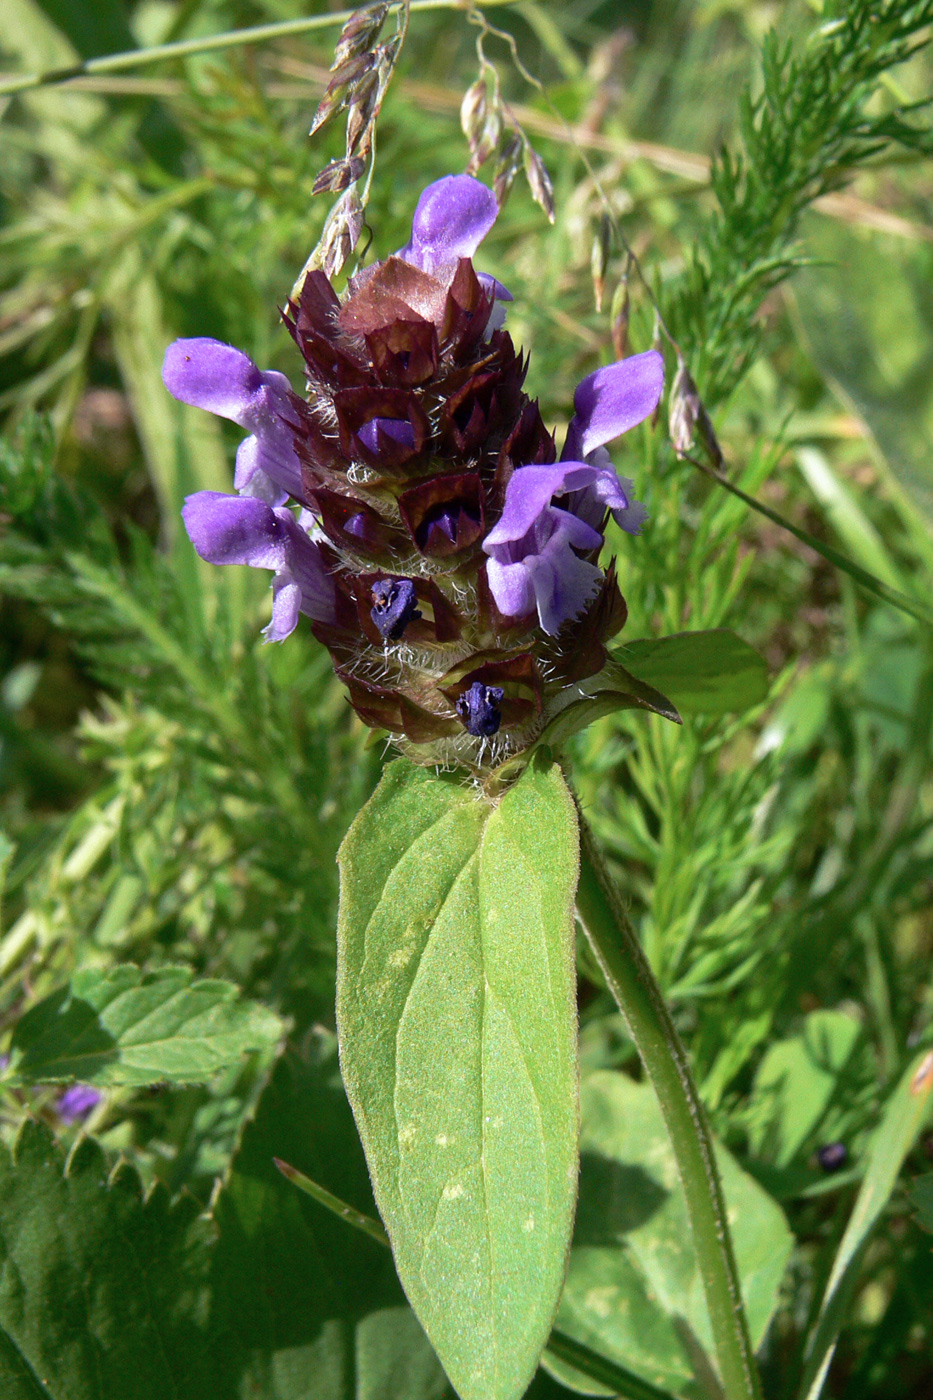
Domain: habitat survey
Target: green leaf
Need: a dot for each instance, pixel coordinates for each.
(102, 1294)
(796, 1083)
(457, 1019)
(904, 1116)
(612, 689)
(921, 1194)
(125, 1026)
(712, 673)
(308, 1308)
(634, 1292)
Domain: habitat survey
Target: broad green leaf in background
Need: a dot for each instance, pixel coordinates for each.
(795, 1085)
(103, 1296)
(634, 1292)
(305, 1307)
(125, 1026)
(711, 673)
(457, 1019)
(906, 1112)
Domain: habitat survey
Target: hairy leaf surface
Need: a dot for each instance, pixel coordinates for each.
(457, 1022)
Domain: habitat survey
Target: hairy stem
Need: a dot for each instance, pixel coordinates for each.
(632, 983)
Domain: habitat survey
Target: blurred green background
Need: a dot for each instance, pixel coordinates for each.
(173, 791)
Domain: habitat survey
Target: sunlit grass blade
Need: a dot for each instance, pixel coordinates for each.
(881, 590)
(356, 1218)
(184, 48)
(902, 1120)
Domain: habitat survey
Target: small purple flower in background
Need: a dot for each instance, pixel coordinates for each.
(446, 559)
(833, 1156)
(77, 1103)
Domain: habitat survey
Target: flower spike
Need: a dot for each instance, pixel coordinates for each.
(412, 506)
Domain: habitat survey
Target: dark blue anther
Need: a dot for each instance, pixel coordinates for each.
(478, 707)
(833, 1156)
(394, 606)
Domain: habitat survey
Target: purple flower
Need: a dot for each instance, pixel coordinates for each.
(394, 606)
(208, 374)
(532, 550)
(242, 530)
(833, 1156)
(76, 1103)
(452, 218)
(613, 399)
(478, 707)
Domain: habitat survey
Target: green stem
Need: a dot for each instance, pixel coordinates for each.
(632, 983)
(183, 48)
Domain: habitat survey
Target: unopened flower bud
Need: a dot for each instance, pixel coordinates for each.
(539, 181)
(683, 410)
(473, 111)
(507, 167)
(338, 175)
(619, 316)
(599, 258)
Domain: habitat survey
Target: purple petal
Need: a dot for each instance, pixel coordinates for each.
(511, 587)
(492, 284)
(210, 375)
(286, 605)
(398, 429)
(251, 478)
(77, 1102)
(451, 220)
(234, 530)
(563, 583)
(545, 573)
(613, 399)
(531, 490)
(244, 530)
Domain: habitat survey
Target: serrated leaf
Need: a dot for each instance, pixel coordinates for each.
(103, 1296)
(634, 1292)
(308, 1308)
(125, 1026)
(710, 673)
(456, 1014)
